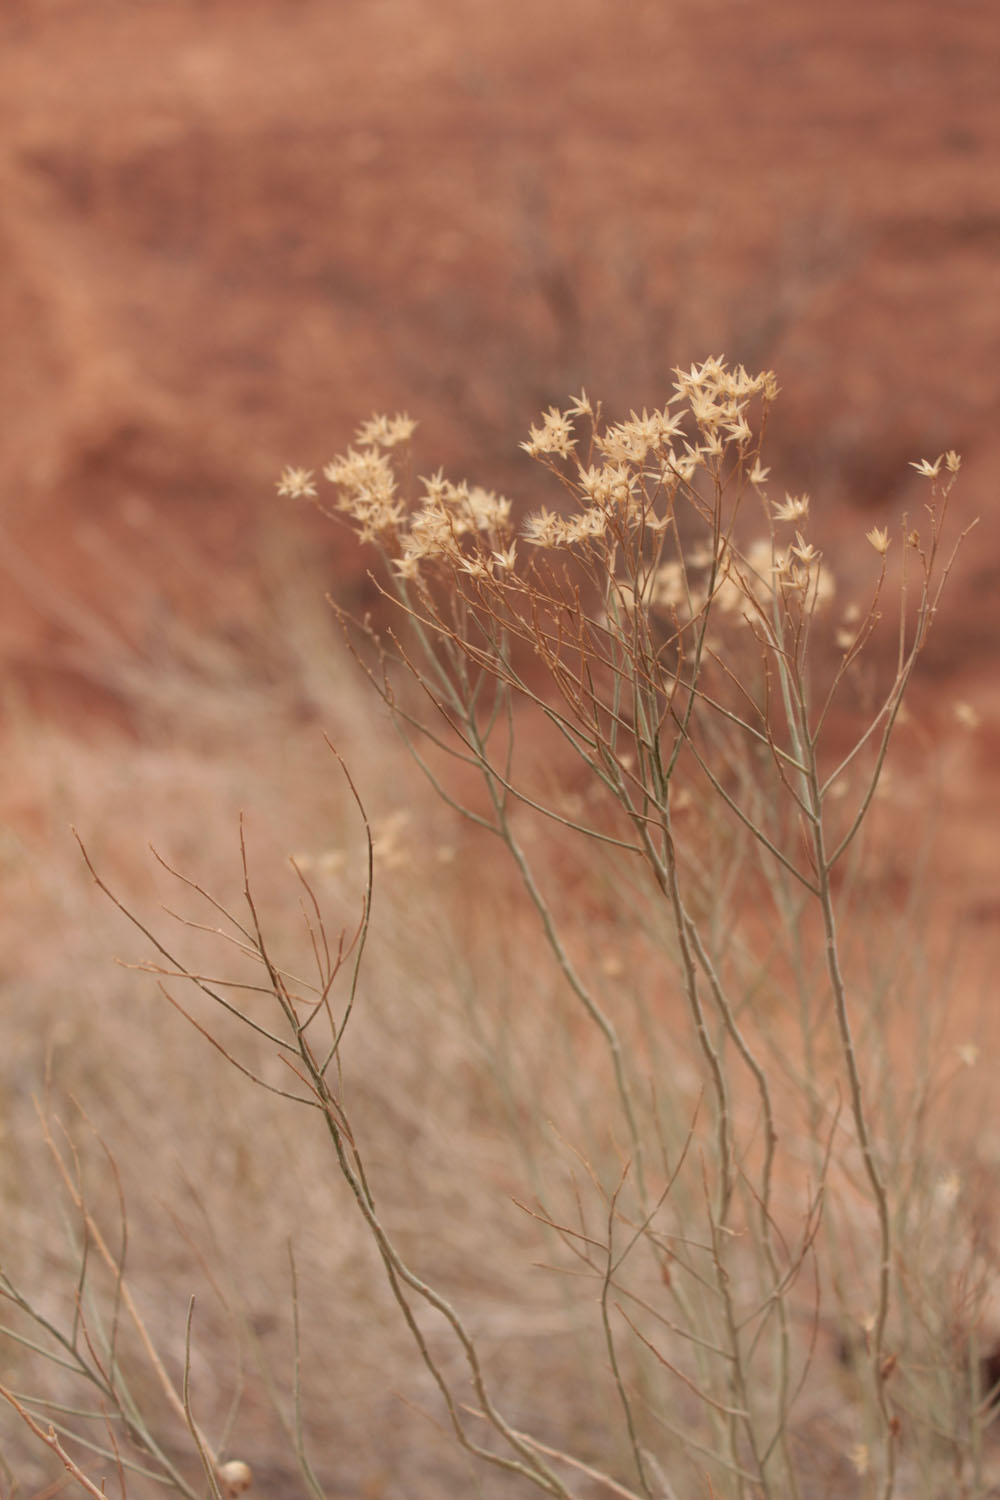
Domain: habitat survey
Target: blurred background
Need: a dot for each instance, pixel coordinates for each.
(230, 229)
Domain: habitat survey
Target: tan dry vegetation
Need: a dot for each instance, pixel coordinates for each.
(218, 1182)
(468, 1082)
(226, 230)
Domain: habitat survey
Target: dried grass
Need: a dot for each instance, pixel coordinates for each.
(646, 1143)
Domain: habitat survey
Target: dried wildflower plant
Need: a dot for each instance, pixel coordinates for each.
(661, 620)
(731, 1197)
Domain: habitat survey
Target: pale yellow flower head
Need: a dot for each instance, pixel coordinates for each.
(385, 432)
(555, 435)
(296, 484)
(792, 508)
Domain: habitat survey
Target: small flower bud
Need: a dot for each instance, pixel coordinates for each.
(235, 1477)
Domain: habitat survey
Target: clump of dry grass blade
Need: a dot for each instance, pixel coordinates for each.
(731, 1199)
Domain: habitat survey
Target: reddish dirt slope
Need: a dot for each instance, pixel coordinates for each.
(229, 229)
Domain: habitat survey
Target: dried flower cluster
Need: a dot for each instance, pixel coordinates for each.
(744, 1145)
(628, 482)
(643, 515)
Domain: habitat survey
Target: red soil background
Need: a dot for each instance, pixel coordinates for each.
(231, 228)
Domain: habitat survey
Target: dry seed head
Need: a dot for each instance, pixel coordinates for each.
(235, 1478)
(476, 567)
(488, 510)
(689, 463)
(361, 471)
(655, 524)
(435, 487)
(543, 529)
(806, 553)
(631, 441)
(792, 508)
(296, 484)
(367, 491)
(714, 377)
(587, 527)
(386, 432)
(407, 568)
(879, 538)
(708, 414)
(555, 435)
(928, 469)
(613, 484)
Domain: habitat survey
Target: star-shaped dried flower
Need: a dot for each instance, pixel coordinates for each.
(805, 551)
(792, 508)
(296, 483)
